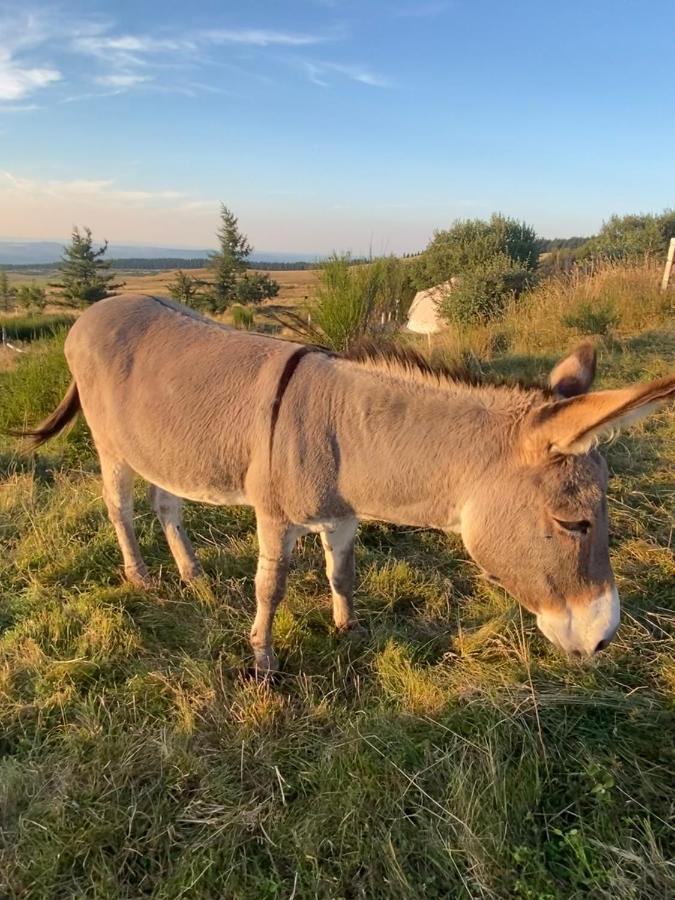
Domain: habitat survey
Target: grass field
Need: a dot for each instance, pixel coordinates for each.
(294, 286)
(455, 753)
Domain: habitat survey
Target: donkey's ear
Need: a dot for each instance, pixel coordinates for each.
(574, 375)
(573, 426)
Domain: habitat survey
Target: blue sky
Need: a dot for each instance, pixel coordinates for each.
(331, 124)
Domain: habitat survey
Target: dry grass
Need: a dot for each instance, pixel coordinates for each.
(295, 286)
(534, 323)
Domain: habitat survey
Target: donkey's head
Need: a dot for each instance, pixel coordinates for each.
(538, 524)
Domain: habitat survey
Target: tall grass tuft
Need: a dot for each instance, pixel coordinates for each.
(356, 300)
(243, 317)
(32, 327)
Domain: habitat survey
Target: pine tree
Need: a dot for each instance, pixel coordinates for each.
(84, 273)
(229, 262)
(32, 296)
(7, 293)
(185, 289)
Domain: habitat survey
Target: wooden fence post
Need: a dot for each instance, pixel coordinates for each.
(669, 265)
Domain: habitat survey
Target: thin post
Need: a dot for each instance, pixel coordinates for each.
(669, 265)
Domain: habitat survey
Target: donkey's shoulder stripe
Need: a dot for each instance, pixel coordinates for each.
(290, 366)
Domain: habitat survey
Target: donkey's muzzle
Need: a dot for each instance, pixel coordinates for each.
(583, 627)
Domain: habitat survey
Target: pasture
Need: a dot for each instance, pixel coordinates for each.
(294, 285)
(454, 753)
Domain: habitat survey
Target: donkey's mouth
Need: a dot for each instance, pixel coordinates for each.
(583, 629)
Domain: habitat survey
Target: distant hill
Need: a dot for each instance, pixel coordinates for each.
(26, 253)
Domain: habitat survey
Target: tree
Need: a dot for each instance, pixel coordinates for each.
(7, 293)
(32, 296)
(185, 289)
(256, 287)
(228, 263)
(84, 273)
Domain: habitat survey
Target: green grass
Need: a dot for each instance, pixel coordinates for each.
(31, 327)
(453, 754)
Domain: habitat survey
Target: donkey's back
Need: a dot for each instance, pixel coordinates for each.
(173, 395)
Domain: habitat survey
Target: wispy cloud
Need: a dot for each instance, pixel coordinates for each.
(319, 73)
(122, 80)
(123, 61)
(258, 37)
(82, 189)
(18, 81)
(19, 76)
(134, 60)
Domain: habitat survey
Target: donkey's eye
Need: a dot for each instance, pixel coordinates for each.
(582, 526)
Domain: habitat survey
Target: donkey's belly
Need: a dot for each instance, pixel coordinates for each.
(207, 492)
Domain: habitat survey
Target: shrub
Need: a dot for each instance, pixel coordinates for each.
(632, 237)
(484, 292)
(472, 243)
(256, 287)
(185, 289)
(355, 300)
(588, 319)
(31, 296)
(243, 317)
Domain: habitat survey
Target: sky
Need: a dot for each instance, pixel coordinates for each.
(331, 125)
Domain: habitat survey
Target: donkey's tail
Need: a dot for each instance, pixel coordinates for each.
(64, 413)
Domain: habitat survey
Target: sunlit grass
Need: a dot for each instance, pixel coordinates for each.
(454, 753)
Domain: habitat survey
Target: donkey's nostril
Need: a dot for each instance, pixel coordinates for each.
(601, 646)
(576, 653)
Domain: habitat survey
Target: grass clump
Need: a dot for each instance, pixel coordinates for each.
(243, 317)
(33, 327)
(591, 320)
(356, 300)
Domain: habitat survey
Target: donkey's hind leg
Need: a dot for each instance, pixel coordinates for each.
(168, 509)
(338, 547)
(118, 493)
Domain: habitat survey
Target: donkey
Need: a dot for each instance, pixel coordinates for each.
(316, 442)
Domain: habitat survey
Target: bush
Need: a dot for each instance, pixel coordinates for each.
(243, 317)
(31, 296)
(484, 292)
(632, 238)
(473, 243)
(256, 287)
(589, 319)
(355, 300)
(185, 289)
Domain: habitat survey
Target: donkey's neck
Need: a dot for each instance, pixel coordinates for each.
(413, 453)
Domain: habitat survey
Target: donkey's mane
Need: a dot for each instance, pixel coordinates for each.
(409, 364)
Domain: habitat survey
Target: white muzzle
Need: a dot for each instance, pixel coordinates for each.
(583, 629)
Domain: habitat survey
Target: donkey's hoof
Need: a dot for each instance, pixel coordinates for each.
(139, 578)
(191, 574)
(266, 664)
(353, 630)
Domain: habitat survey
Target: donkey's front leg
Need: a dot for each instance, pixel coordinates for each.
(276, 540)
(338, 547)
